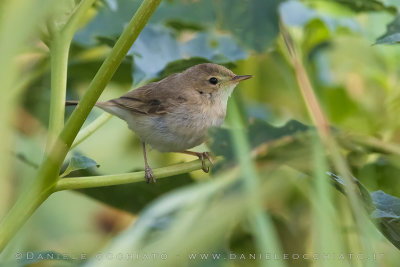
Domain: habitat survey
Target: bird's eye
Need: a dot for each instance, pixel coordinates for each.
(213, 80)
(201, 92)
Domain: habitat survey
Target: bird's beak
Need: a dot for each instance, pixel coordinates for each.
(239, 78)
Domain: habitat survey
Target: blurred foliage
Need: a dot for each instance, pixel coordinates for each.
(356, 83)
(133, 197)
(392, 34)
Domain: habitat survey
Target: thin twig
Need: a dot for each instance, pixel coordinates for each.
(126, 178)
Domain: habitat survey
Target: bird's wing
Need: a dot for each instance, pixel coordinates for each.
(152, 99)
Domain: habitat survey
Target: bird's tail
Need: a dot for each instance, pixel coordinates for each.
(71, 103)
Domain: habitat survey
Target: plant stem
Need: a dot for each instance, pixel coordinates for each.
(95, 125)
(59, 65)
(126, 178)
(24, 207)
(48, 172)
(107, 70)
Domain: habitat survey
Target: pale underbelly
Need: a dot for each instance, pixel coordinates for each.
(172, 132)
(168, 134)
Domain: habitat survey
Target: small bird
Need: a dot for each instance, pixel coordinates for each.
(174, 114)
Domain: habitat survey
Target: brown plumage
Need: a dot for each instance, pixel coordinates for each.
(174, 114)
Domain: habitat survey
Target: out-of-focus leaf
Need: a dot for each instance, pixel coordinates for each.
(134, 197)
(380, 173)
(384, 209)
(365, 195)
(84, 70)
(387, 215)
(392, 35)
(295, 13)
(79, 162)
(180, 25)
(156, 47)
(152, 51)
(367, 5)
(259, 132)
(108, 22)
(254, 22)
(112, 4)
(175, 215)
(29, 258)
(182, 64)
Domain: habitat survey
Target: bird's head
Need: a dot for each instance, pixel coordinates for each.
(211, 81)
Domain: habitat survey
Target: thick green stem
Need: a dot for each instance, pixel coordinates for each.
(24, 207)
(125, 178)
(48, 172)
(59, 65)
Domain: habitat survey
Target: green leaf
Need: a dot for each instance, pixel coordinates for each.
(182, 64)
(179, 25)
(134, 197)
(255, 23)
(367, 5)
(156, 47)
(80, 70)
(384, 209)
(392, 35)
(110, 21)
(79, 162)
(259, 132)
(387, 215)
(339, 185)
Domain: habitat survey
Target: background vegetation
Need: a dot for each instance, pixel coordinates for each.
(270, 194)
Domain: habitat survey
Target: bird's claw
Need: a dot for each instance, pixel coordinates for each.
(149, 176)
(202, 157)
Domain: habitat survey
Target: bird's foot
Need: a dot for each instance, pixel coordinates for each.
(202, 157)
(149, 176)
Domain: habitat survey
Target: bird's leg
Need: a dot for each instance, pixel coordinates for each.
(202, 156)
(148, 173)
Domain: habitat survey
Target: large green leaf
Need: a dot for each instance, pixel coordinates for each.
(254, 22)
(156, 47)
(109, 21)
(392, 35)
(258, 132)
(384, 209)
(387, 215)
(368, 5)
(182, 64)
